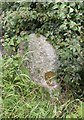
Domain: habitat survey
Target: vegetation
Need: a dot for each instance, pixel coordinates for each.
(63, 25)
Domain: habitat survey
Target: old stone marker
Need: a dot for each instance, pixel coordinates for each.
(43, 61)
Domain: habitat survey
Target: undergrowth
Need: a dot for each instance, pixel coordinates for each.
(23, 98)
(62, 25)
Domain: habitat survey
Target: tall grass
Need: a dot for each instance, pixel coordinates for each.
(22, 98)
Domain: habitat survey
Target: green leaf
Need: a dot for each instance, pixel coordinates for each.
(71, 10)
(55, 6)
(11, 42)
(80, 109)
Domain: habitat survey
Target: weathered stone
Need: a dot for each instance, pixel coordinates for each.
(43, 61)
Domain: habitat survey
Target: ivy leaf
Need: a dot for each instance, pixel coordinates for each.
(73, 25)
(71, 10)
(11, 42)
(55, 7)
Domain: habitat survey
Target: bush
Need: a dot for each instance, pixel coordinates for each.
(62, 24)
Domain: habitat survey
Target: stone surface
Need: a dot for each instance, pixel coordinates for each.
(43, 61)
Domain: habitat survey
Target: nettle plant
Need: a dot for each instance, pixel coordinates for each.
(61, 23)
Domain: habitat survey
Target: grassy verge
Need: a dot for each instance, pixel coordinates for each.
(23, 98)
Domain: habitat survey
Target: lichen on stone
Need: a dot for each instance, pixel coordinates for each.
(43, 61)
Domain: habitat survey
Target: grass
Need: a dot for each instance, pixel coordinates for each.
(22, 98)
(25, 99)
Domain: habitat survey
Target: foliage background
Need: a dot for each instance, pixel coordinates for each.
(63, 25)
